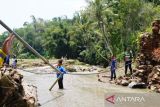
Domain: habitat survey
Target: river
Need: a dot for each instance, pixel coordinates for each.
(79, 90)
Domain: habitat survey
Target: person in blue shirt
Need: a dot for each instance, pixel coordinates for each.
(62, 70)
(113, 67)
(7, 60)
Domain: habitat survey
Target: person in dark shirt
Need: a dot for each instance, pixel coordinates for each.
(7, 60)
(128, 55)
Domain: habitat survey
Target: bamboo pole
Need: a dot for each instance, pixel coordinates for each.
(30, 48)
(55, 82)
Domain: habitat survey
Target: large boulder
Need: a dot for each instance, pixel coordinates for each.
(13, 93)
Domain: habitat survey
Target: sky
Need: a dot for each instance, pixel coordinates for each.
(15, 12)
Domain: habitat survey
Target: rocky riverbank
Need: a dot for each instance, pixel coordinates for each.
(14, 92)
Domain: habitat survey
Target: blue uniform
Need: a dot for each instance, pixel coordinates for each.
(60, 81)
(7, 60)
(61, 69)
(113, 69)
(113, 64)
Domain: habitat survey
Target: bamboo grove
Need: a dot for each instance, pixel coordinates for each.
(103, 28)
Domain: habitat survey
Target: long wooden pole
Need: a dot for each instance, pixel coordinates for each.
(30, 48)
(54, 83)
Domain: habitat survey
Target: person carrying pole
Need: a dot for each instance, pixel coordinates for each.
(31, 49)
(63, 71)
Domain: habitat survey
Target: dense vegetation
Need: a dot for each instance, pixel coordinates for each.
(103, 28)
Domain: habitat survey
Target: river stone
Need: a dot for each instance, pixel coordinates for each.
(153, 88)
(124, 83)
(137, 85)
(71, 69)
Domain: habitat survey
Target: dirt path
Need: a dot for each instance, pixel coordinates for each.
(80, 90)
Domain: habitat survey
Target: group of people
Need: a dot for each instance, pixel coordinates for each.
(128, 55)
(149, 42)
(5, 52)
(5, 59)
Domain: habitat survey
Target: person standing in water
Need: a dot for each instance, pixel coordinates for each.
(63, 71)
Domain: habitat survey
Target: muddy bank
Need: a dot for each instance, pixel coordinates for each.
(14, 92)
(70, 65)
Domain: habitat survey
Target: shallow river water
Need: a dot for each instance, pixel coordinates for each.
(79, 90)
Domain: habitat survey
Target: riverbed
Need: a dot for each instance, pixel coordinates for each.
(79, 90)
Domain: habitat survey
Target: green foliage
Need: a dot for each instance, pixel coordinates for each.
(103, 28)
(3, 36)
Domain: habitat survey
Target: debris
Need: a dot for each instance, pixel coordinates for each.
(147, 71)
(137, 85)
(13, 93)
(124, 83)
